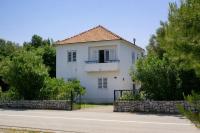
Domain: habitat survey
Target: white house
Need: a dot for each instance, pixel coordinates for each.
(100, 60)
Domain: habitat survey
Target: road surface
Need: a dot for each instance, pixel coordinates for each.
(99, 120)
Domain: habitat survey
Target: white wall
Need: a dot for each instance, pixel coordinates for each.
(65, 69)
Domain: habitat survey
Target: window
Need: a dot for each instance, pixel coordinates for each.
(105, 84)
(106, 55)
(71, 56)
(99, 82)
(133, 57)
(74, 56)
(102, 83)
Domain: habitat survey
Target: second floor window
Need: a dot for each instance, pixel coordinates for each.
(71, 56)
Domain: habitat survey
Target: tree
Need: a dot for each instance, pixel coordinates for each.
(26, 73)
(45, 49)
(7, 49)
(37, 41)
(174, 47)
(49, 59)
(182, 38)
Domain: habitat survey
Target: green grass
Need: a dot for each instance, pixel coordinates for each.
(91, 105)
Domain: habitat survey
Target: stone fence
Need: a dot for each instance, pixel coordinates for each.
(149, 106)
(37, 104)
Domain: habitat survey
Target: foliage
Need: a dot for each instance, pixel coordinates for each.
(11, 94)
(193, 115)
(181, 40)
(159, 79)
(37, 41)
(129, 96)
(58, 89)
(7, 48)
(44, 49)
(172, 64)
(30, 72)
(48, 54)
(26, 74)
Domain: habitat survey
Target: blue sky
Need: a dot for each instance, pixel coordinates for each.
(59, 19)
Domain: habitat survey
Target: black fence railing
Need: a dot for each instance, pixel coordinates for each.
(118, 94)
(96, 61)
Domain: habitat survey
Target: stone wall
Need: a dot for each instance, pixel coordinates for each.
(37, 104)
(149, 106)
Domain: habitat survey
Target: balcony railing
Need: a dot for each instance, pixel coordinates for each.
(96, 61)
(95, 66)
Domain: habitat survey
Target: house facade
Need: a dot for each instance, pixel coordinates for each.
(100, 60)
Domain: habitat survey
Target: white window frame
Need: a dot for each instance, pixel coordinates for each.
(73, 56)
(103, 83)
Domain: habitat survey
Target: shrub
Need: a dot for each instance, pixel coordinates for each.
(58, 89)
(11, 94)
(129, 96)
(192, 115)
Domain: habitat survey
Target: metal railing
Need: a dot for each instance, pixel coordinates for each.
(96, 61)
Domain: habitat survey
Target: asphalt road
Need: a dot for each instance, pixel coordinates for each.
(96, 120)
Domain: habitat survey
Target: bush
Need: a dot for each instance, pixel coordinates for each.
(192, 115)
(11, 94)
(129, 96)
(58, 89)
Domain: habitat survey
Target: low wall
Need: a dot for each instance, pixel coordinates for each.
(37, 104)
(149, 106)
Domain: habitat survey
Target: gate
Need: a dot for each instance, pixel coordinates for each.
(75, 100)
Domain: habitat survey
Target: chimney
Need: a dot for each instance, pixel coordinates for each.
(134, 40)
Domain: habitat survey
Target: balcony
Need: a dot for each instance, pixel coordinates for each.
(95, 66)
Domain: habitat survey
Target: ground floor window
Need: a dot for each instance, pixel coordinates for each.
(102, 82)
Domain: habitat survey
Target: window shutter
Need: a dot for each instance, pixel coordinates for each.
(105, 82)
(94, 55)
(74, 56)
(112, 54)
(107, 55)
(99, 82)
(69, 56)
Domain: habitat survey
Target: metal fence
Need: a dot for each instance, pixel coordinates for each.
(118, 94)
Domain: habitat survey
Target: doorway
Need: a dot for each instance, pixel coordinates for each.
(101, 56)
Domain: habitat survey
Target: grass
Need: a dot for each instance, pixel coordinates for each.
(14, 130)
(88, 105)
(91, 105)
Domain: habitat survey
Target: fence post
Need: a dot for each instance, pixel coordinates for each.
(114, 96)
(72, 97)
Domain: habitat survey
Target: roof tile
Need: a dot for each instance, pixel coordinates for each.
(98, 33)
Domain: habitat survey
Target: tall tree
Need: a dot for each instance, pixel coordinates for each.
(26, 73)
(182, 39)
(177, 41)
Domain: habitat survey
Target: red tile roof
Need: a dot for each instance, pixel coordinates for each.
(95, 34)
